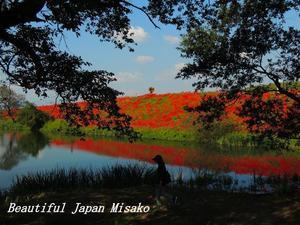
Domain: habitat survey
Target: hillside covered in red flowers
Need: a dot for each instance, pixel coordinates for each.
(156, 110)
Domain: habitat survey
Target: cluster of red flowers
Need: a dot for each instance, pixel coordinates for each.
(151, 110)
(163, 110)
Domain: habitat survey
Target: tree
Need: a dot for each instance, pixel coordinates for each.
(10, 102)
(30, 58)
(32, 117)
(238, 45)
(151, 90)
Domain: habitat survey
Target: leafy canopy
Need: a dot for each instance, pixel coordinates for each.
(30, 57)
(238, 45)
(242, 43)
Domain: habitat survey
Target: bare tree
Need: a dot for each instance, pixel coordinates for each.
(10, 102)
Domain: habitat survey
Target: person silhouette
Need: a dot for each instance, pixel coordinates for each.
(162, 178)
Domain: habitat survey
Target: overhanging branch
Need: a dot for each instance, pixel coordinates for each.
(26, 49)
(142, 10)
(20, 13)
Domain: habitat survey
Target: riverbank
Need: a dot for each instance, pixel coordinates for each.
(205, 199)
(169, 134)
(223, 135)
(194, 207)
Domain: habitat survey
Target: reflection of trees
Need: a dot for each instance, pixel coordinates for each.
(32, 143)
(12, 154)
(18, 148)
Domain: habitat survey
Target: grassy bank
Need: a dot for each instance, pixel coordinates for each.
(224, 135)
(196, 205)
(172, 134)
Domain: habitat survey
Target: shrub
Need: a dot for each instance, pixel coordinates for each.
(32, 117)
(217, 130)
(10, 125)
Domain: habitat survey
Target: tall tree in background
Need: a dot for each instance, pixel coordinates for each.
(238, 45)
(31, 59)
(10, 102)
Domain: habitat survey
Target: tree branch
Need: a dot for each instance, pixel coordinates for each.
(141, 9)
(279, 87)
(20, 13)
(26, 49)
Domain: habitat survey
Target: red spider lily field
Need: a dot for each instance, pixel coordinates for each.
(151, 110)
(214, 169)
(159, 110)
(166, 116)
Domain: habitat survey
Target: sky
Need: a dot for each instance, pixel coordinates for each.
(154, 63)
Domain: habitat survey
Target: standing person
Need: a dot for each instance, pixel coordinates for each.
(161, 180)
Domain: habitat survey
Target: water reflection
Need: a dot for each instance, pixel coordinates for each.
(197, 157)
(15, 148)
(20, 154)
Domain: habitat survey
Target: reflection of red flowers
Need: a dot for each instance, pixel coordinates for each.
(266, 164)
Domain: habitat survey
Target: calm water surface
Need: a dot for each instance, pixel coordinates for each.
(22, 154)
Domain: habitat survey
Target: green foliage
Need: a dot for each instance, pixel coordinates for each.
(31, 117)
(31, 57)
(238, 139)
(232, 46)
(238, 44)
(10, 125)
(60, 127)
(216, 130)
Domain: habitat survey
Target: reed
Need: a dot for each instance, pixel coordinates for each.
(117, 176)
(122, 176)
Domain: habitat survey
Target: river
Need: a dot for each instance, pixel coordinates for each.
(28, 153)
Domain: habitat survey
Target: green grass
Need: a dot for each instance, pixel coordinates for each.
(171, 134)
(59, 126)
(62, 127)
